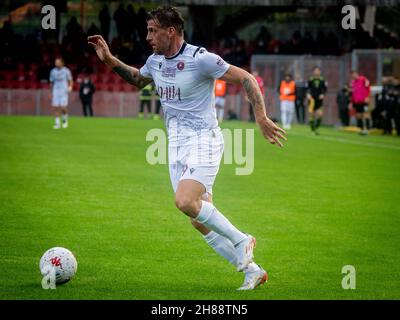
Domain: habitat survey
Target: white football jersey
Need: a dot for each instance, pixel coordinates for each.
(60, 77)
(185, 84)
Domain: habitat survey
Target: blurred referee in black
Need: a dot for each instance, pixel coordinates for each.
(316, 93)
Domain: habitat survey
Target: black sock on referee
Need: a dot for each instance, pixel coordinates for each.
(360, 124)
(318, 123)
(312, 124)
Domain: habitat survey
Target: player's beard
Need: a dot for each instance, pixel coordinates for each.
(157, 50)
(160, 49)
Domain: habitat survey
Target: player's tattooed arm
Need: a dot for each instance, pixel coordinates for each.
(131, 75)
(254, 94)
(250, 85)
(269, 129)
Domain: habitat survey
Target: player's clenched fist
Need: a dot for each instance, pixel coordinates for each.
(101, 47)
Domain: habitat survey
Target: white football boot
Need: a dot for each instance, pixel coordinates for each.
(254, 279)
(65, 124)
(244, 252)
(55, 127)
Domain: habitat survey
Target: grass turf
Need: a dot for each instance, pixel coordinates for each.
(315, 205)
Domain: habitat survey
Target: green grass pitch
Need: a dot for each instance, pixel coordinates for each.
(315, 205)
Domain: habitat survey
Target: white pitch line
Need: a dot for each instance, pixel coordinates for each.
(367, 144)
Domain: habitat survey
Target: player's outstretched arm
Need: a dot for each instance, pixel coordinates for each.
(129, 74)
(268, 128)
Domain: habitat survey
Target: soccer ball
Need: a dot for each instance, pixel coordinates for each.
(63, 262)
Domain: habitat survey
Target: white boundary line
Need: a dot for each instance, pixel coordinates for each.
(366, 144)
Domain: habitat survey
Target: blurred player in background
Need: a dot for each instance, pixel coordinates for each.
(360, 88)
(60, 84)
(185, 77)
(220, 93)
(317, 88)
(287, 91)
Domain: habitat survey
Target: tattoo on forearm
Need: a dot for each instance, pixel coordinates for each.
(255, 96)
(131, 76)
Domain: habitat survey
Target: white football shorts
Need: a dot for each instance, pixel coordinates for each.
(59, 100)
(196, 157)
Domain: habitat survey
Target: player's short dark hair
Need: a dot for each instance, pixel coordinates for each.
(167, 17)
(316, 67)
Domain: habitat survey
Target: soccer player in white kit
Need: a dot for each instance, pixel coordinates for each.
(61, 84)
(184, 76)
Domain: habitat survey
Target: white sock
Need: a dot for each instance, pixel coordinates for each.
(65, 118)
(283, 118)
(226, 249)
(211, 218)
(222, 246)
(221, 114)
(57, 119)
(288, 119)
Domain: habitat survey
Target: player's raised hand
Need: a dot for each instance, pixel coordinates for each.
(101, 47)
(272, 132)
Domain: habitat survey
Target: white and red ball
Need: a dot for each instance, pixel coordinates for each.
(63, 262)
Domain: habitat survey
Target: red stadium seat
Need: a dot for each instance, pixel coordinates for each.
(19, 85)
(101, 87)
(21, 67)
(32, 85)
(107, 78)
(96, 78)
(114, 87)
(9, 75)
(127, 87)
(31, 76)
(45, 85)
(33, 67)
(119, 80)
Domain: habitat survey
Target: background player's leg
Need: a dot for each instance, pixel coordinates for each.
(283, 115)
(303, 113)
(318, 118)
(297, 107)
(157, 113)
(57, 116)
(290, 113)
(220, 115)
(360, 122)
(367, 118)
(312, 121)
(64, 111)
(251, 113)
(84, 106)
(148, 106)
(90, 108)
(142, 102)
